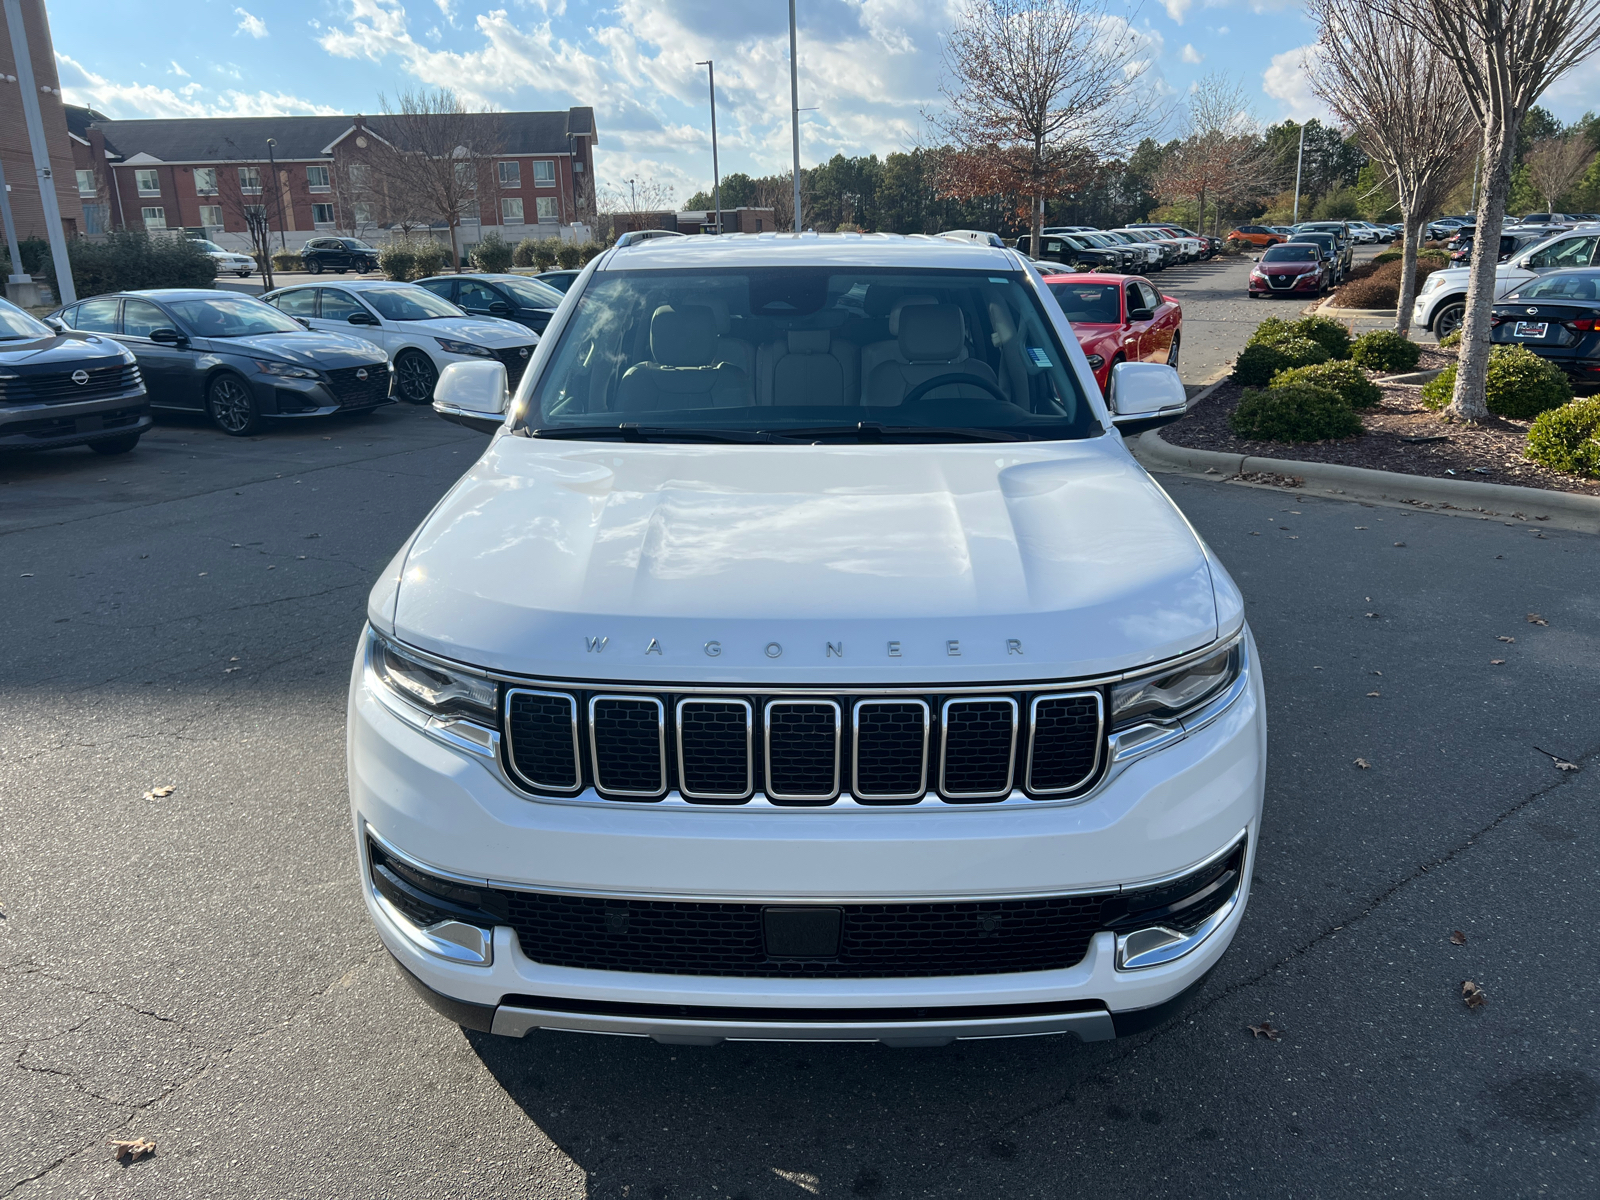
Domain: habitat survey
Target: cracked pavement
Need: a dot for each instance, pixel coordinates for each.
(198, 969)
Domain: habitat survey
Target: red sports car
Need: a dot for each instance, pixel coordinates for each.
(1119, 318)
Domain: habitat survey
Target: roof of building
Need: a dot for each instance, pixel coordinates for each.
(225, 139)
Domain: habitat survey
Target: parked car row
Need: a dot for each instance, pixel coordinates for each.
(1441, 303)
(1138, 248)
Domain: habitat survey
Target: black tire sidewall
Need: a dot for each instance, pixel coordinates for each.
(314, 267)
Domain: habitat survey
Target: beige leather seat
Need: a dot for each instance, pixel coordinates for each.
(931, 341)
(683, 372)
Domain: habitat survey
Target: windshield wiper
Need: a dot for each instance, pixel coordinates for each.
(872, 431)
(630, 432)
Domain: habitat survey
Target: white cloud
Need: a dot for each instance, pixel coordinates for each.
(179, 71)
(448, 8)
(248, 23)
(1190, 54)
(126, 100)
(1287, 82)
(1177, 9)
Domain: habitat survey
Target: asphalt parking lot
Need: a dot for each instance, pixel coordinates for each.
(198, 969)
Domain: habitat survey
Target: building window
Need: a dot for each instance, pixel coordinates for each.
(511, 209)
(510, 174)
(362, 213)
(154, 218)
(94, 218)
(205, 181)
(577, 166)
(467, 174)
(547, 209)
(149, 183)
(86, 184)
(544, 173)
(211, 214)
(250, 179)
(322, 214)
(317, 177)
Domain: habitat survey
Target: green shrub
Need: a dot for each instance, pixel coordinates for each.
(544, 253)
(286, 260)
(1433, 254)
(1258, 362)
(1568, 438)
(1331, 335)
(1296, 412)
(569, 256)
(1385, 351)
(398, 260)
(492, 254)
(1388, 256)
(1271, 331)
(127, 261)
(1344, 379)
(1520, 384)
(591, 250)
(432, 258)
(522, 256)
(1451, 340)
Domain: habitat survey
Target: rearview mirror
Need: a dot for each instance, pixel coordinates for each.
(167, 336)
(1144, 395)
(472, 394)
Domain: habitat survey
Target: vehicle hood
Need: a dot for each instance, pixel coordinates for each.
(230, 255)
(808, 564)
(59, 351)
(310, 349)
(484, 331)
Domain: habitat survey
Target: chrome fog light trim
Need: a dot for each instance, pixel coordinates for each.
(1159, 944)
(454, 940)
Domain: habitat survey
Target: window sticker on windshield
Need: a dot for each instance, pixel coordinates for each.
(1002, 279)
(1040, 358)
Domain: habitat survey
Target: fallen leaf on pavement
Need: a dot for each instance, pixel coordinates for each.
(1536, 619)
(1473, 995)
(1372, 693)
(1399, 543)
(1372, 614)
(1497, 662)
(132, 1151)
(1458, 938)
(1363, 764)
(162, 792)
(1360, 526)
(1561, 763)
(1265, 1030)
(1503, 638)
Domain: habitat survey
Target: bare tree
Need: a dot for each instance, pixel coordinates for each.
(1404, 102)
(436, 159)
(1557, 163)
(1222, 158)
(241, 189)
(1506, 52)
(635, 199)
(1037, 91)
(357, 203)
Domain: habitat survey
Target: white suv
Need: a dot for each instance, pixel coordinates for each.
(807, 658)
(1441, 303)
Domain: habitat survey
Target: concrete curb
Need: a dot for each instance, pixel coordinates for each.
(1464, 497)
(1326, 309)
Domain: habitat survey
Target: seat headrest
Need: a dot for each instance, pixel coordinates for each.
(683, 336)
(721, 319)
(932, 333)
(900, 306)
(808, 341)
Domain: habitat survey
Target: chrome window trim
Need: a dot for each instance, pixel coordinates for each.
(661, 745)
(944, 748)
(855, 749)
(1033, 727)
(511, 752)
(766, 741)
(749, 748)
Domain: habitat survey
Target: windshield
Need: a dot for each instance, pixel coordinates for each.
(354, 244)
(1089, 303)
(1325, 240)
(1291, 252)
(535, 295)
(232, 316)
(809, 353)
(1574, 286)
(16, 325)
(209, 247)
(408, 302)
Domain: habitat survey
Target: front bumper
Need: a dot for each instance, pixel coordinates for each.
(284, 396)
(55, 426)
(451, 813)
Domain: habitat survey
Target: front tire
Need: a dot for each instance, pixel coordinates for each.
(116, 445)
(314, 267)
(1449, 318)
(415, 376)
(231, 407)
(1172, 351)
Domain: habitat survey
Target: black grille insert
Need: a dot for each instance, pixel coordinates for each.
(60, 387)
(714, 739)
(351, 391)
(542, 736)
(803, 750)
(891, 751)
(625, 734)
(980, 740)
(516, 360)
(1065, 749)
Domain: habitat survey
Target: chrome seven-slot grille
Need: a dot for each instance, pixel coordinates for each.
(805, 750)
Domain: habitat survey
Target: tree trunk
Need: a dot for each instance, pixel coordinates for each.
(1499, 152)
(455, 250)
(1408, 271)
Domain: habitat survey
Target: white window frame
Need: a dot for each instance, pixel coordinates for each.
(549, 208)
(328, 208)
(246, 176)
(154, 218)
(510, 173)
(311, 178)
(205, 181)
(141, 174)
(87, 177)
(211, 210)
(511, 210)
(540, 167)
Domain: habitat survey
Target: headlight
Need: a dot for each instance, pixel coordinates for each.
(1096, 362)
(464, 348)
(1432, 283)
(1177, 693)
(268, 366)
(429, 686)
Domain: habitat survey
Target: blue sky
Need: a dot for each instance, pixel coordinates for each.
(871, 68)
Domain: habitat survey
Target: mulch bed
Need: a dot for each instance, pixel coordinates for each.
(1490, 452)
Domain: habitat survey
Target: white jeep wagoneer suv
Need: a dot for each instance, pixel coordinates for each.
(806, 658)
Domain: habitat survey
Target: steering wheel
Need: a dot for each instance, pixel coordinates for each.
(927, 385)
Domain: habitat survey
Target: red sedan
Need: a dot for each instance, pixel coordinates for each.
(1119, 318)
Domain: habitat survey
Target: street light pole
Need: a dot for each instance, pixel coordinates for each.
(277, 195)
(34, 120)
(1298, 163)
(716, 176)
(794, 105)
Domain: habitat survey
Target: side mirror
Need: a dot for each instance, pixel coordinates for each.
(167, 336)
(56, 324)
(1144, 395)
(1141, 314)
(500, 308)
(472, 394)
(304, 322)
(361, 318)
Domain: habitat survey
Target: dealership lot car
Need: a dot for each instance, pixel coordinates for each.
(339, 254)
(227, 260)
(420, 332)
(1441, 303)
(1289, 269)
(807, 658)
(1557, 317)
(61, 389)
(1119, 319)
(234, 358)
(515, 297)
